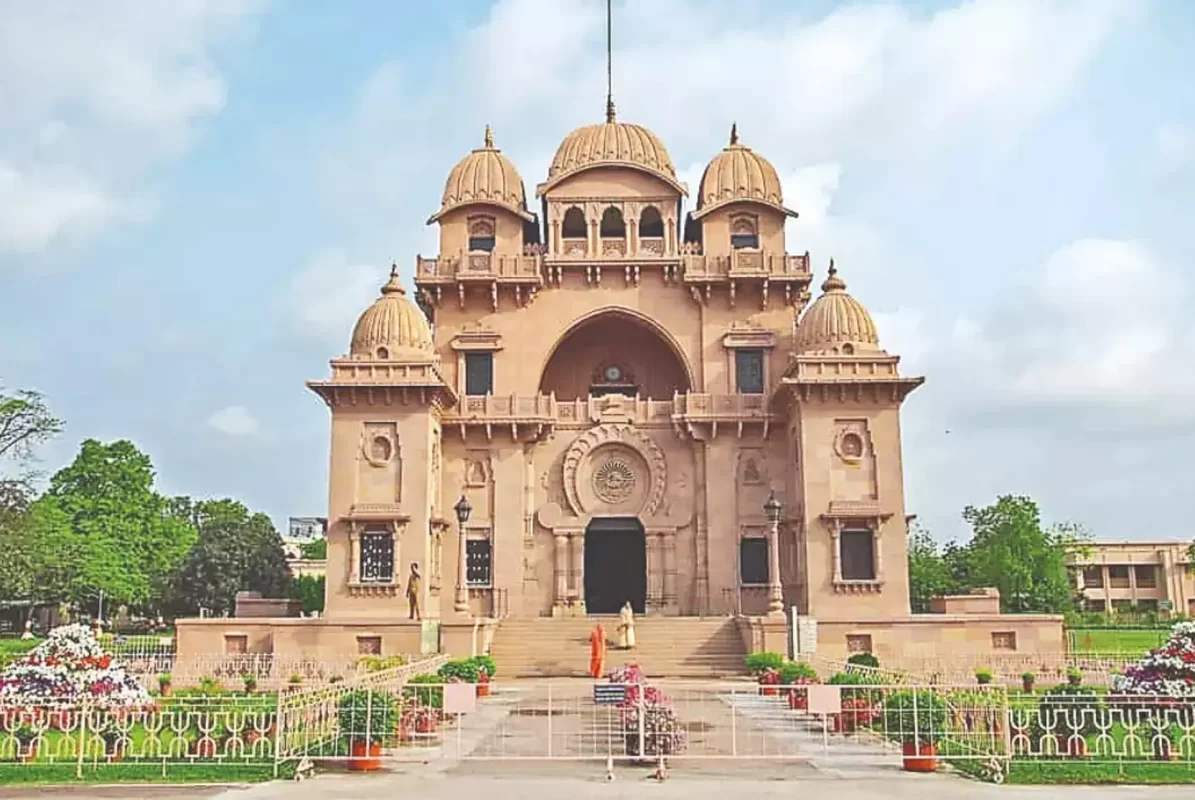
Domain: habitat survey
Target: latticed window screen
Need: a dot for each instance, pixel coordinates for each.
(753, 560)
(858, 555)
(478, 559)
(748, 368)
(377, 556)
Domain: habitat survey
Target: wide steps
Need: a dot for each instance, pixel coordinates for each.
(665, 647)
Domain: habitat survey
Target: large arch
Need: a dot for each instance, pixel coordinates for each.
(614, 339)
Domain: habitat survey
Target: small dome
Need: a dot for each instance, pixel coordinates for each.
(484, 176)
(611, 144)
(739, 174)
(836, 323)
(393, 328)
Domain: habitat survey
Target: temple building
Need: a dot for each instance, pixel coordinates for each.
(625, 395)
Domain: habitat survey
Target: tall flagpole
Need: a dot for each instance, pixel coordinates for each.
(609, 66)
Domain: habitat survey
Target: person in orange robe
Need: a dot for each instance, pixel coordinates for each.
(597, 651)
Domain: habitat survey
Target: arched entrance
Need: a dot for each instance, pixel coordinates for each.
(615, 351)
(615, 565)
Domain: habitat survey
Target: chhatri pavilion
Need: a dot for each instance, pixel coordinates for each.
(624, 395)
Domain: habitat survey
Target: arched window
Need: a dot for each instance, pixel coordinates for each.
(743, 233)
(612, 226)
(651, 224)
(573, 226)
(481, 234)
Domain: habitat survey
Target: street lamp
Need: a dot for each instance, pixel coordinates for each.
(463, 510)
(773, 510)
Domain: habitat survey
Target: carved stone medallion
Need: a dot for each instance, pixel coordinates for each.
(613, 480)
(614, 468)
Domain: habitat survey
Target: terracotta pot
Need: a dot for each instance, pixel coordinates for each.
(483, 690)
(845, 722)
(921, 758)
(205, 748)
(365, 756)
(1027, 685)
(796, 700)
(768, 690)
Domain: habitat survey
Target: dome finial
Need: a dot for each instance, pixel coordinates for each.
(394, 285)
(734, 134)
(489, 138)
(610, 116)
(833, 283)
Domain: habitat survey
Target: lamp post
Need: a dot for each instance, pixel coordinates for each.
(773, 509)
(462, 509)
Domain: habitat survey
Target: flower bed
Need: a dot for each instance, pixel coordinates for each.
(646, 709)
(67, 669)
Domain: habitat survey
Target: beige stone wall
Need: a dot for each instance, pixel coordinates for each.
(455, 229)
(937, 635)
(716, 228)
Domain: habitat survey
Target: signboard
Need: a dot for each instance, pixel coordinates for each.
(608, 694)
(460, 698)
(824, 699)
(307, 529)
(804, 634)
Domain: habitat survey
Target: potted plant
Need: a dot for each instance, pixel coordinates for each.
(918, 720)
(165, 683)
(250, 682)
(983, 676)
(864, 660)
(113, 745)
(759, 663)
(1027, 680)
(294, 682)
(486, 669)
(366, 719)
(792, 675)
(1074, 676)
(858, 703)
(769, 680)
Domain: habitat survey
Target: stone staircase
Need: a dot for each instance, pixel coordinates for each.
(671, 647)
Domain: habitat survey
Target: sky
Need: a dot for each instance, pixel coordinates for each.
(197, 199)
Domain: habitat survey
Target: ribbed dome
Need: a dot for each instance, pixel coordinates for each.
(393, 328)
(739, 174)
(484, 176)
(611, 144)
(836, 319)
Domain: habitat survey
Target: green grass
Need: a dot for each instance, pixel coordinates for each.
(1087, 772)
(1126, 641)
(11, 773)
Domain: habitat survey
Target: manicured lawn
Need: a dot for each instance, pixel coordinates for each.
(1089, 772)
(11, 773)
(1129, 641)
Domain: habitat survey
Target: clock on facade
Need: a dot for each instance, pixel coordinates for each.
(613, 373)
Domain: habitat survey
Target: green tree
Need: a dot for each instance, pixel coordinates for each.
(235, 551)
(25, 422)
(1011, 550)
(111, 530)
(310, 590)
(929, 573)
(316, 551)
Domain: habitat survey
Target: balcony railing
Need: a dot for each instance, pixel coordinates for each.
(479, 265)
(721, 406)
(491, 407)
(544, 408)
(743, 263)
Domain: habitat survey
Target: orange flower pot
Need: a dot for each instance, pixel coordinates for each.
(921, 758)
(365, 756)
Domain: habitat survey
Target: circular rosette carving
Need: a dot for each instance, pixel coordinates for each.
(614, 469)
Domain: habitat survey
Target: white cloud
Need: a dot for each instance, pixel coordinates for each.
(325, 298)
(234, 421)
(94, 95)
(1174, 150)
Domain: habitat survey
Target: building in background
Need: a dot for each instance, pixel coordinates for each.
(1136, 576)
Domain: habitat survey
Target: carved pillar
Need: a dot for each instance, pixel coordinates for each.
(396, 562)
(555, 237)
(655, 573)
(561, 569)
(578, 570)
(594, 247)
(879, 551)
(835, 533)
(775, 593)
(668, 540)
(354, 553)
(701, 535)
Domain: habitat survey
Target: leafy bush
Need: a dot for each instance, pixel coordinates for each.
(794, 672)
(463, 670)
(915, 717)
(491, 668)
(379, 663)
(864, 660)
(856, 679)
(983, 676)
(367, 715)
(424, 690)
(758, 663)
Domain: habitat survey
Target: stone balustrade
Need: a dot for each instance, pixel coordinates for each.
(745, 264)
(488, 266)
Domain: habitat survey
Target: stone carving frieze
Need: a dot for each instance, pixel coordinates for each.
(614, 466)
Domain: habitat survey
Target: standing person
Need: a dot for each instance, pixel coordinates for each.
(626, 627)
(414, 591)
(597, 651)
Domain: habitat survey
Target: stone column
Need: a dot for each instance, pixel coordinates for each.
(655, 576)
(461, 602)
(877, 547)
(1107, 588)
(354, 553)
(775, 593)
(578, 570)
(561, 569)
(835, 532)
(1133, 584)
(671, 601)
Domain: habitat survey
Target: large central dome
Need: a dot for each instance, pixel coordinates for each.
(611, 144)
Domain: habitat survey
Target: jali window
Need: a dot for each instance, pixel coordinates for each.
(478, 562)
(377, 556)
